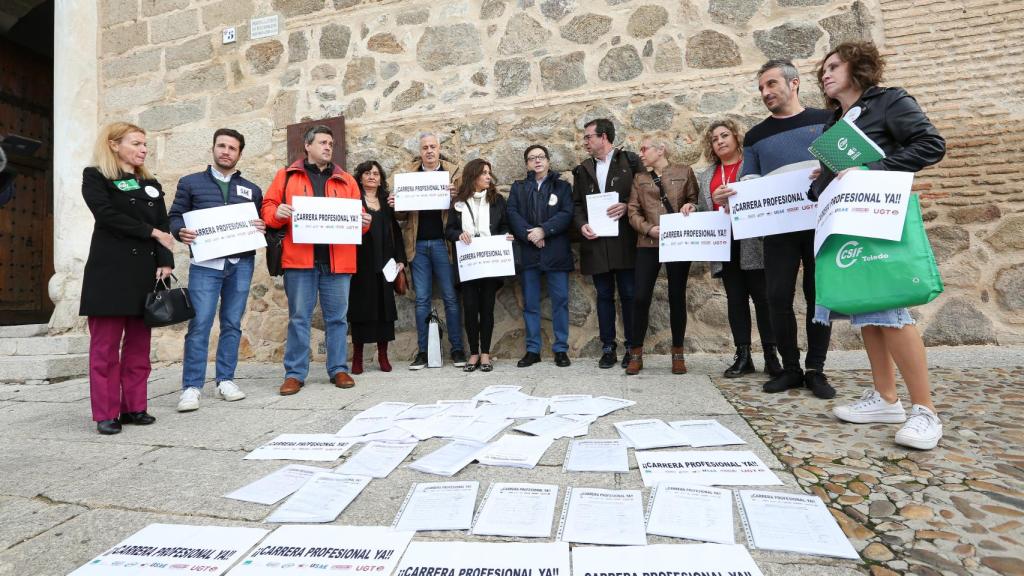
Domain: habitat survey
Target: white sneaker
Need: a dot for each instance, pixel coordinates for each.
(227, 390)
(922, 430)
(189, 400)
(871, 408)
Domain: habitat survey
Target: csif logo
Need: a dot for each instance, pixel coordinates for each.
(848, 254)
(842, 143)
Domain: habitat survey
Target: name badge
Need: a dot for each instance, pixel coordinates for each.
(460, 206)
(243, 192)
(152, 192)
(552, 200)
(127, 185)
(853, 114)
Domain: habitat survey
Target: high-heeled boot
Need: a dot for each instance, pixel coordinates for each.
(636, 361)
(357, 358)
(742, 364)
(382, 357)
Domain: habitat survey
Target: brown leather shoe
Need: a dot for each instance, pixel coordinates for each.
(678, 360)
(290, 386)
(636, 361)
(343, 380)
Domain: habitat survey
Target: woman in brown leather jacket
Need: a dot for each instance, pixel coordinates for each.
(663, 189)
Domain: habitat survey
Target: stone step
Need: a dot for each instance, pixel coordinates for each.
(23, 331)
(45, 345)
(44, 367)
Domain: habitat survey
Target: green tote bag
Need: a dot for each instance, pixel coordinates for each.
(856, 275)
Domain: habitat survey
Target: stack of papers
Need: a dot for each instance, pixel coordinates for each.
(692, 512)
(597, 456)
(650, 433)
(793, 523)
(449, 459)
(316, 447)
(515, 451)
(702, 433)
(273, 487)
(596, 516)
(377, 459)
(521, 510)
(438, 506)
(320, 499)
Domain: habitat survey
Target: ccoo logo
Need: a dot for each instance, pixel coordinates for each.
(848, 254)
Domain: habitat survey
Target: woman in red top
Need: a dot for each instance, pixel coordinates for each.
(743, 275)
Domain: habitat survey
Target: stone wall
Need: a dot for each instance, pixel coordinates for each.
(493, 76)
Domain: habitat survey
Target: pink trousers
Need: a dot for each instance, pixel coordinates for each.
(118, 373)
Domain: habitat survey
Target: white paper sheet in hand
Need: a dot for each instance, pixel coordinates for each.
(438, 506)
(692, 512)
(276, 485)
(871, 203)
(519, 510)
(449, 459)
(475, 558)
(794, 523)
(485, 257)
(649, 433)
(220, 546)
(377, 459)
(313, 447)
(702, 433)
(422, 191)
(710, 468)
(771, 205)
(515, 451)
(311, 550)
(597, 516)
(320, 499)
(223, 231)
(597, 213)
(318, 220)
(597, 456)
(664, 559)
(699, 237)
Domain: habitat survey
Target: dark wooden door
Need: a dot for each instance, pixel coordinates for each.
(26, 222)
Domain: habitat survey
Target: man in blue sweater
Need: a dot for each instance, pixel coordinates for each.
(778, 144)
(227, 279)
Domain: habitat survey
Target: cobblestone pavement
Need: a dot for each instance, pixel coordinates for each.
(958, 509)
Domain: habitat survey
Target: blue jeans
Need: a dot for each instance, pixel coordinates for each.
(302, 287)
(206, 286)
(605, 284)
(431, 262)
(558, 290)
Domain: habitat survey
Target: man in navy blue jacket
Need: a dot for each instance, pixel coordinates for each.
(227, 279)
(540, 211)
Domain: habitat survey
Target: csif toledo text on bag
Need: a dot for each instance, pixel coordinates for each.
(166, 306)
(857, 275)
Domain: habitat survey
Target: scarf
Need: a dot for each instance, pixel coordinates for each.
(476, 217)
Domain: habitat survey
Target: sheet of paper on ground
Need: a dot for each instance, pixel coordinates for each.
(180, 548)
(377, 459)
(598, 516)
(524, 510)
(594, 455)
(692, 512)
(711, 468)
(315, 447)
(649, 433)
(702, 433)
(438, 506)
(320, 499)
(276, 485)
(551, 559)
(664, 559)
(301, 550)
(794, 523)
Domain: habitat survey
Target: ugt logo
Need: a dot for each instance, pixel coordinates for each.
(848, 254)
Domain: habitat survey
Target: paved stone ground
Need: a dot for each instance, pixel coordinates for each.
(67, 494)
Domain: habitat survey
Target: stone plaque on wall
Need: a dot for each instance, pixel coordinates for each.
(296, 148)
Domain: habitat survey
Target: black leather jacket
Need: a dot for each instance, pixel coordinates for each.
(895, 122)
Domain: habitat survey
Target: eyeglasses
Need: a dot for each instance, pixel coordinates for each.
(589, 136)
(536, 157)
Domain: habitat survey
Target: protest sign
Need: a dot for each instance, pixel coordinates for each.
(771, 205)
(485, 257)
(597, 213)
(484, 559)
(699, 237)
(793, 523)
(422, 191)
(298, 550)
(864, 203)
(224, 230)
(317, 447)
(181, 549)
(327, 220)
(664, 559)
(713, 468)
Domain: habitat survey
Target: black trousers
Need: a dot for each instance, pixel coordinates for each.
(783, 254)
(741, 286)
(646, 270)
(478, 312)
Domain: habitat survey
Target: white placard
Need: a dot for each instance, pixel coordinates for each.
(515, 451)
(520, 510)
(484, 558)
(699, 237)
(314, 447)
(320, 499)
(422, 191)
(771, 205)
(485, 257)
(609, 455)
(438, 506)
(871, 203)
(223, 231)
(650, 433)
(711, 468)
(702, 433)
(597, 516)
(173, 548)
(794, 523)
(377, 459)
(308, 550)
(277, 485)
(691, 512)
(449, 459)
(664, 559)
(597, 213)
(327, 220)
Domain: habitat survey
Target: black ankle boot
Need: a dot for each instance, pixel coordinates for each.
(772, 366)
(743, 364)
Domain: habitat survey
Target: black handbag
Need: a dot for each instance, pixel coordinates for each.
(275, 250)
(166, 306)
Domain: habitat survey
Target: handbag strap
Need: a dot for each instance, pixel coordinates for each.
(661, 191)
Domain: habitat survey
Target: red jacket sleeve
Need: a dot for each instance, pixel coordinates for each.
(274, 197)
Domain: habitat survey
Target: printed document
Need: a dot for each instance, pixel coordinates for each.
(438, 506)
(320, 499)
(377, 459)
(693, 559)
(597, 213)
(597, 516)
(515, 451)
(711, 468)
(597, 456)
(315, 447)
(650, 433)
(523, 510)
(691, 512)
(449, 459)
(794, 523)
(277, 485)
(701, 433)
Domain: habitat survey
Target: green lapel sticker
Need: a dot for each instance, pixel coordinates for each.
(126, 185)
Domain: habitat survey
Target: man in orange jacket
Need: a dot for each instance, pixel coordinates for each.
(314, 269)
